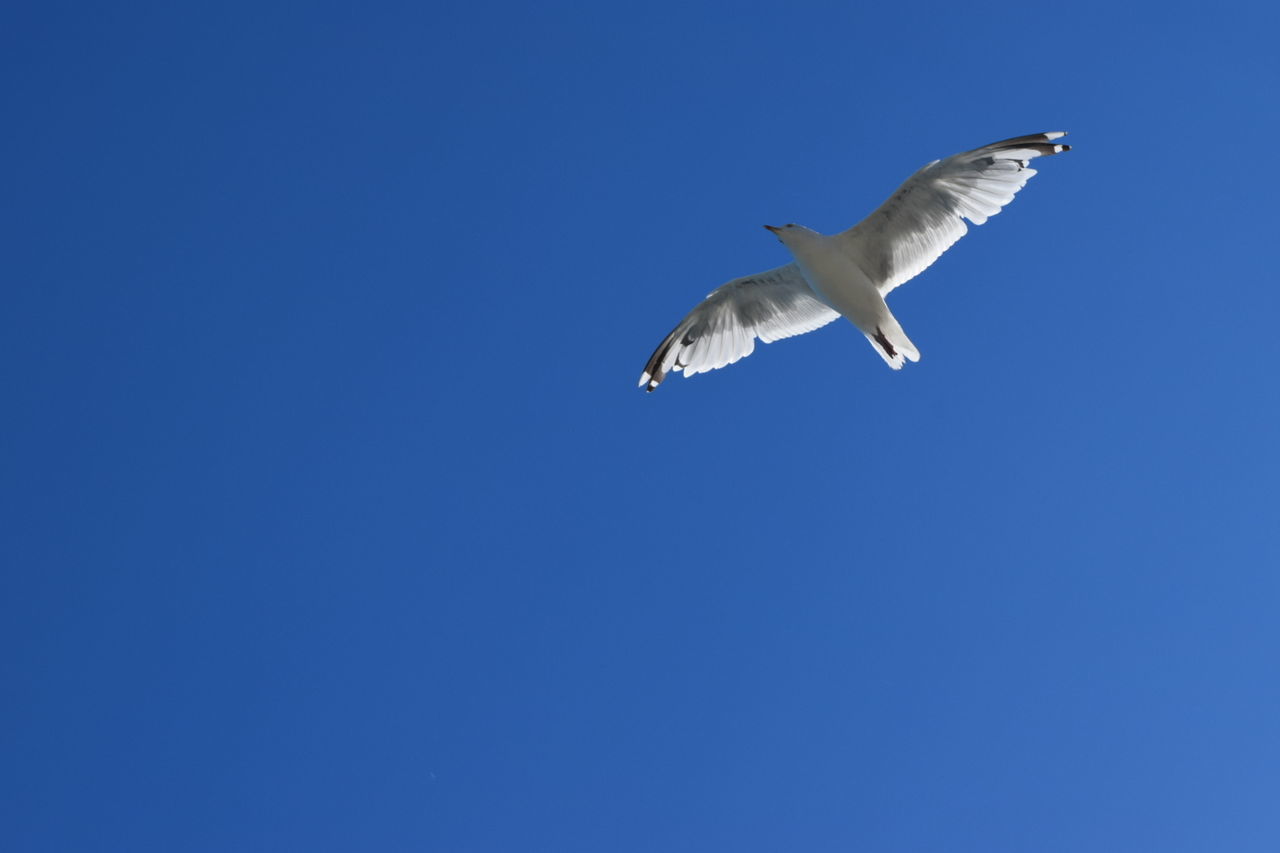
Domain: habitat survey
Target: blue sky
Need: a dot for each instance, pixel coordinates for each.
(334, 519)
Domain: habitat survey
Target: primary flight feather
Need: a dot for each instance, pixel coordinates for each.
(850, 273)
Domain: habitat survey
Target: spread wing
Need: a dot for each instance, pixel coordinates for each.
(723, 328)
(925, 217)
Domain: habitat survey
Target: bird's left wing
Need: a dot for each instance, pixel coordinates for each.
(925, 217)
(723, 327)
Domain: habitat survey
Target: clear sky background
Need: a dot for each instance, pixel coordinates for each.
(333, 518)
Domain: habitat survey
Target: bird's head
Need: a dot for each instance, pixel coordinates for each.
(792, 234)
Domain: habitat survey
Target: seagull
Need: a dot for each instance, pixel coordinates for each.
(851, 273)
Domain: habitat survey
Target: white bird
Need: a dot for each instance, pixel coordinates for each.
(850, 273)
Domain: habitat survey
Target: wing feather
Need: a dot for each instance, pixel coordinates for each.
(927, 214)
(723, 328)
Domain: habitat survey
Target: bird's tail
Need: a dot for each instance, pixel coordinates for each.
(891, 342)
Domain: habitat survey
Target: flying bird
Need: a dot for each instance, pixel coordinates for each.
(851, 273)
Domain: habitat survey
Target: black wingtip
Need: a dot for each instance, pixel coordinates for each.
(654, 369)
(1041, 143)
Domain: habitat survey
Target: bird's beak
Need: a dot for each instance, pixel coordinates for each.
(771, 228)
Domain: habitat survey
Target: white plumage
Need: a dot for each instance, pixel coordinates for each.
(850, 273)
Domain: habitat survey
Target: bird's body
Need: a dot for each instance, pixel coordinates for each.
(839, 282)
(850, 273)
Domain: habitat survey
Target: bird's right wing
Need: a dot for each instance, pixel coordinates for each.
(926, 215)
(723, 328)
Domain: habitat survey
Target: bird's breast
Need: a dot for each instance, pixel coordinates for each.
(838, 281)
